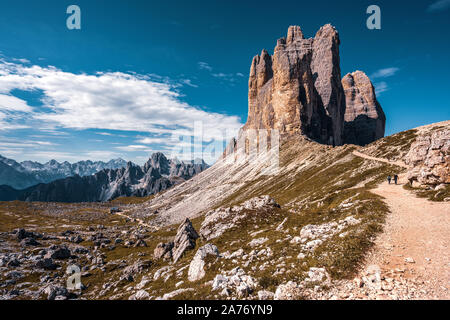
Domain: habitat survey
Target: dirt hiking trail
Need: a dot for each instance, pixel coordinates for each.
(416, 238)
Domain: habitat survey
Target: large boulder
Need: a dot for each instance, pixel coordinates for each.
(58, 252)
(130, 272)
(163, 250)
(184, 240)
(56, 292)
(196, 268)
(46, 264)
(429, 158)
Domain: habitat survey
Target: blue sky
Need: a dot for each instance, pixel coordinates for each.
(139, 74)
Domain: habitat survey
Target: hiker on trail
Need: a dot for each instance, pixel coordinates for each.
(389, 179)
(396, 179)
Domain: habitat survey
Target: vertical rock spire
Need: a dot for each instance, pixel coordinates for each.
(295, 33)
(300, 90)
(326, 69)
(364, 118)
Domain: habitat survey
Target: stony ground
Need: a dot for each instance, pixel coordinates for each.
(326, 226)
(411, 258)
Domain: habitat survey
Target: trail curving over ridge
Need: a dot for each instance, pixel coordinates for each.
(416, 238)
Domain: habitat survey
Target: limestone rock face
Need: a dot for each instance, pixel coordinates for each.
(299, 90)
(327, 74)
(429, 159)
(364, 118)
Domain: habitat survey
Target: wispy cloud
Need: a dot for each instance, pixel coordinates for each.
(440, 5)
(380, 87)
(189, 83)
(152, 140)
(132, 148)
(204, 66)
(385, 73)
(228, 77)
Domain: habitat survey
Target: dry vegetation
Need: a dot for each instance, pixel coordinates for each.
(315, 186)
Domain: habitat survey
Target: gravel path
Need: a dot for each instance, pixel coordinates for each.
(415, 244)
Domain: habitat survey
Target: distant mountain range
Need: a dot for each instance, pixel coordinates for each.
(29, 173)
(156, 175)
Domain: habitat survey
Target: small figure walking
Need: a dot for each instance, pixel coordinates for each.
(396, 179)
(389, 179)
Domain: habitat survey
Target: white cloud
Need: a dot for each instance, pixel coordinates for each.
(108, 101)
(204, 66)
(24, 61)
(380, 87)
(384, 73)
(133, 148)
(188, 82)
(230, 77)
(152, 140)
(11, 103)
(440, 5)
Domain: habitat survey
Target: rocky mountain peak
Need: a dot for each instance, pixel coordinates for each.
(299, 89)
(328, 31)
(159, 162)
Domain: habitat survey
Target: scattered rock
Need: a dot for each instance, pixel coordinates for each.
(173, 294)
(218, 221)
(142, 295)
(163, 250)
(235, 281)
(265, 295)
(288, 291)
(54, 291)
(138, 267)
(47, 264)
(29, 242)
(58, 253)
(318, 275)
(258, 242)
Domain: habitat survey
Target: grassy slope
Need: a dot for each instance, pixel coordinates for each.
(312, 195)
(314, 183)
